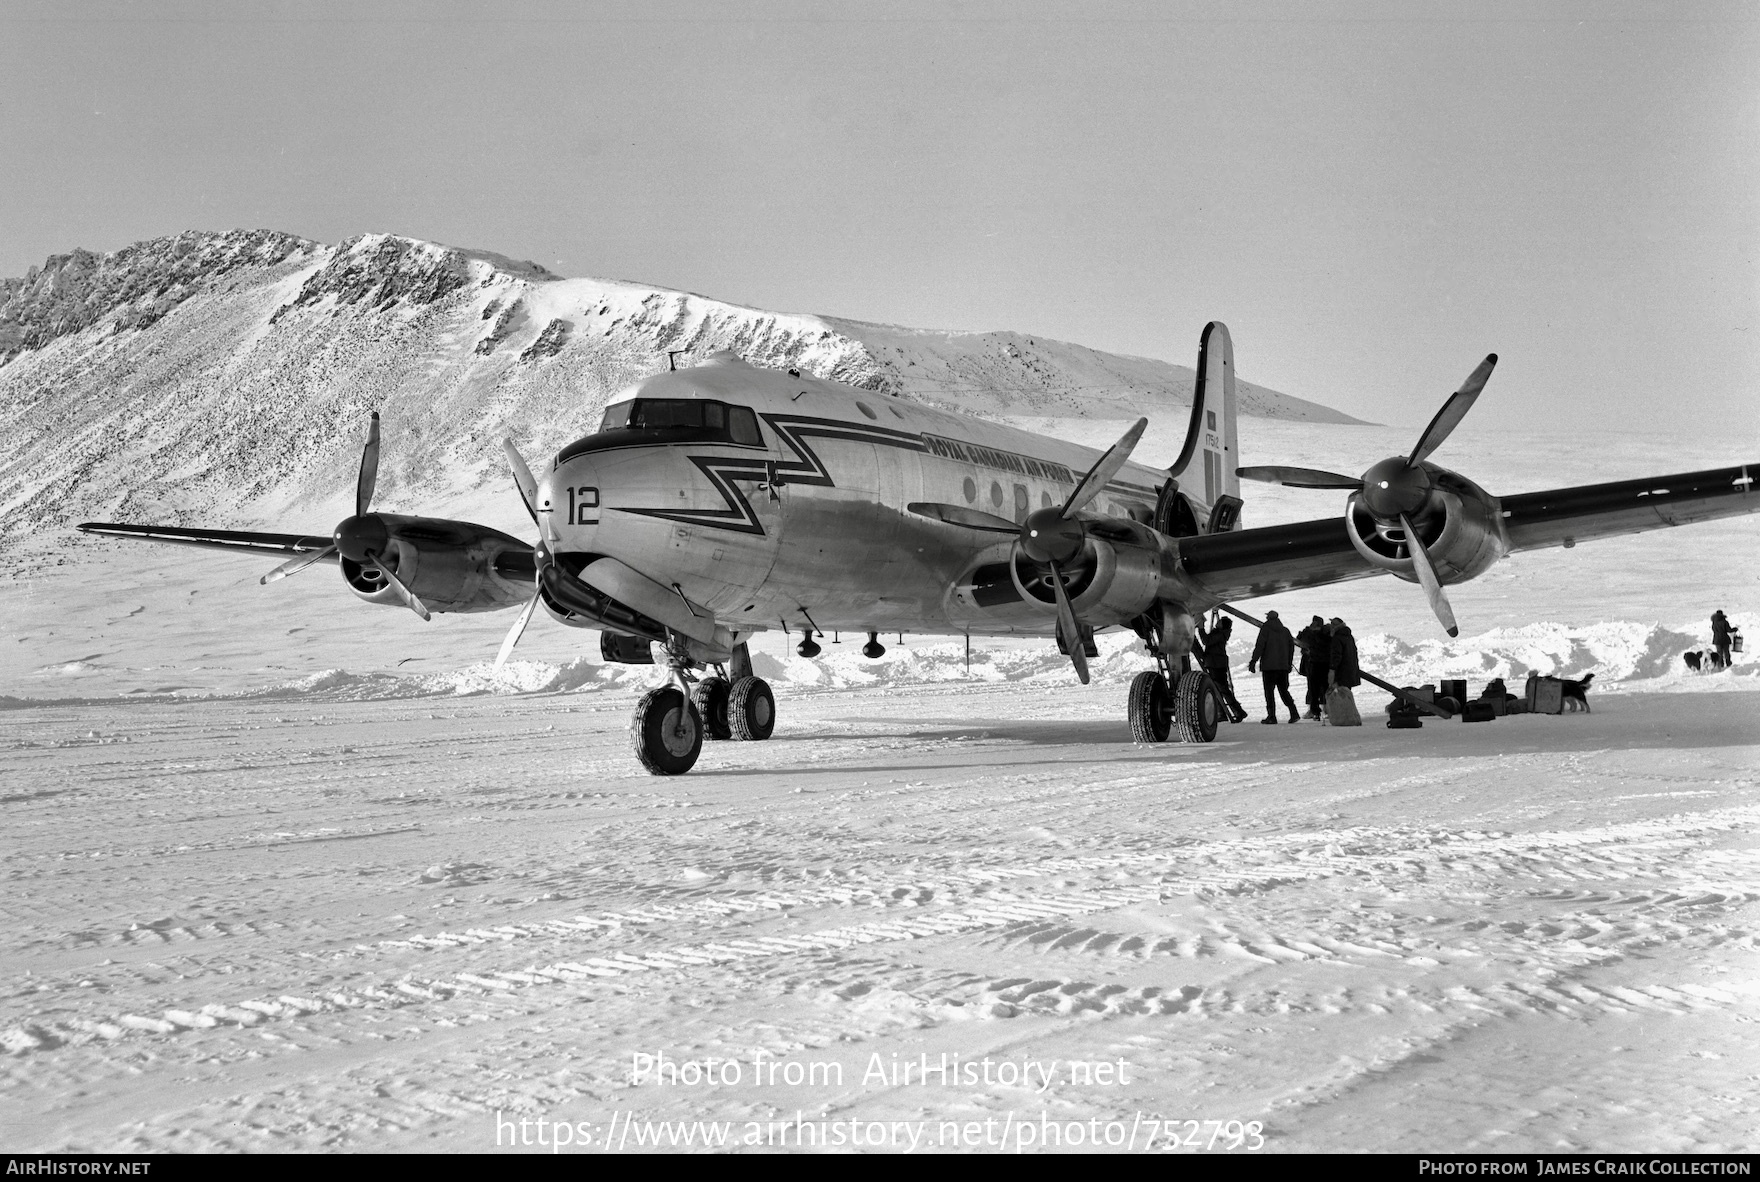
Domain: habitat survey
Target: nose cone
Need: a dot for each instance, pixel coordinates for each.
(1393, 487)
(1047, 537)
(357, 535)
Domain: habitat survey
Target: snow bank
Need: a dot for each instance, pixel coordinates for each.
(1623, 655)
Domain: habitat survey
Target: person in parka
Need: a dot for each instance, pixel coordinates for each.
(1215, 651)
(1316, 646)
(1720, 631)
(1273, 653)
(1342, 660)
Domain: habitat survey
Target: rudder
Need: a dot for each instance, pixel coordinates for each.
(1211, 439)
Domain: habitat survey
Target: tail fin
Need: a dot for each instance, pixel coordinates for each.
(1212, 431)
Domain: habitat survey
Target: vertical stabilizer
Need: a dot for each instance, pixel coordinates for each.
(1207, 463)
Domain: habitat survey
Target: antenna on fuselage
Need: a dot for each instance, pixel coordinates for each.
(672, 359)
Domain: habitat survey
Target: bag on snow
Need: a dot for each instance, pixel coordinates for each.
(1341, 707)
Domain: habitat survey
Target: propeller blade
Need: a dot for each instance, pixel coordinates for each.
(960, 515)
(522, 478)
(404, 593)
(1453, 411)
(1104, 469)
(294, 565)
(513, 635)
(1067, 628)
(1299, 477)
(1427, 577)
(363, 489)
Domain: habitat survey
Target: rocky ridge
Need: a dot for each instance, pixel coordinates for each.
(225, 377)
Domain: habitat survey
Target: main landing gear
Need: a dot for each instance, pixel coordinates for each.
(1188, 711)
(1163, 703)
(671, 722)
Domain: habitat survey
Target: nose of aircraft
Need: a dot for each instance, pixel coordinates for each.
(569, 493)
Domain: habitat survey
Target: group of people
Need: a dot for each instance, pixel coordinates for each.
(1328, 659)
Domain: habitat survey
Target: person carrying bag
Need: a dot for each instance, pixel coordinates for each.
(1342, 675)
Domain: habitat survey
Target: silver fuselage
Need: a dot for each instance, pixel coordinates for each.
(813, 521)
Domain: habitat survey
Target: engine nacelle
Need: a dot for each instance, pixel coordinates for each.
(1118, 575)
(1461, 528)
(451, 566)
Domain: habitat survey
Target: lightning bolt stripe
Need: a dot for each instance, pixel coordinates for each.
(806, 468)
(737, 515)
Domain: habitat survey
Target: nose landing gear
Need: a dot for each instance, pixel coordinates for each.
(667, 732)
(671, 722)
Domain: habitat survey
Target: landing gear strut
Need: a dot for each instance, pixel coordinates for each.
(671, 722)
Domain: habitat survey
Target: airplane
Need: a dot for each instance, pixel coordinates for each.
(724, 499)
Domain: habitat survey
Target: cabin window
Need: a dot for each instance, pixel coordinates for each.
(971, 490)
(1022, 504)
(1044, 500)
(996, 494)
(867, 410)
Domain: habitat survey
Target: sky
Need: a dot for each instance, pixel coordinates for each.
(1371, 195)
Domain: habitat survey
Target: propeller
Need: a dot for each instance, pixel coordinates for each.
(404, 593)
(1299, 477)
(527, 487)
(1052, 537)
(1427, 578)
(523, 480)
(1399, 487)
(362, 538)
(513, 635)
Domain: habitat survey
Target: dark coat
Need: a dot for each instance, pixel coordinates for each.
(1719, 628)
(1275, 649)
(1343, 659)
(1317, 653)
(1216, 646)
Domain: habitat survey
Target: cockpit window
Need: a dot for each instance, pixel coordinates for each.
(670, 420)
(745, 426)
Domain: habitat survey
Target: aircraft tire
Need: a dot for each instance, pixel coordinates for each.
(710, 698)
(1150, 708)
(667, 732)
(1197, 708)
(751, 709)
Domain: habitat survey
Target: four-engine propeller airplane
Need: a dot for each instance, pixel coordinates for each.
(724, 499)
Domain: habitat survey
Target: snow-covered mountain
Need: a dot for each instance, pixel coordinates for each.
(228, 377)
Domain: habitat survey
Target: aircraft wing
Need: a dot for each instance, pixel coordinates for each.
(1253, 562)
(1247, 563)
(212, 539)
(1566, 516)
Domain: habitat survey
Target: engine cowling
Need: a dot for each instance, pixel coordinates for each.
(1460, 526)
(452, 566)
(1118, 574)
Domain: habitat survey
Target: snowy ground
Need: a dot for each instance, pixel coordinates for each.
(273, 924)
(288, 871)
